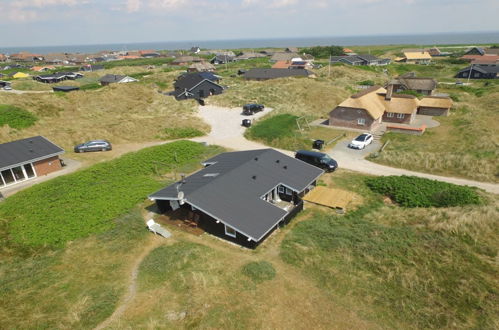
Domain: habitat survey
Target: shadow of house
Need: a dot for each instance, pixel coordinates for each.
(242, 196)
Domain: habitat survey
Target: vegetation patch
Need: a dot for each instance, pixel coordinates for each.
(259, 271)
(279, 131)
(168, 263)
(16, 117)
(90, 86)
(82, 203)
(405, 275)
(181, 133)
(80, 286)
(411, 191)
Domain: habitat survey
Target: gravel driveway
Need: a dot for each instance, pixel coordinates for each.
(227, 132)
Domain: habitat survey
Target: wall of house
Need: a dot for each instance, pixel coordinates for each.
(46, 166)
(348, 117)
(408, 118)
(433, 111)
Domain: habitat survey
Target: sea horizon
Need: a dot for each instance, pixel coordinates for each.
(430, 39)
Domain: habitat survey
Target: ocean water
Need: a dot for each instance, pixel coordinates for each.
(417, 39)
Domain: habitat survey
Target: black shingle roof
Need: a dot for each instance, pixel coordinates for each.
(258, 73)
(27, 150)
(231, 189)
(111, 78)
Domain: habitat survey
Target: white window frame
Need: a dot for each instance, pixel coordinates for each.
(390, 114)
(361, 121)
(289, 192)
(229, 233)
(281, 189)
(400, 115)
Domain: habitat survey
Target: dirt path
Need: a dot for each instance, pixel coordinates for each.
(153, 243)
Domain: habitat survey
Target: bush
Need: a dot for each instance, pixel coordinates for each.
(86, 202)
(259, 271)
(367, 83)
(15, 117)
(410, 191)
(181, 132)
(90, 86)
(323, 51)
(273, 128)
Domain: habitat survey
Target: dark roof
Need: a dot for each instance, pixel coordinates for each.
(112, 78)
(59, 75)
(232, 187)
(482, 68)
(258, 73)
(27, 150)
(188, 81)
(65, 88)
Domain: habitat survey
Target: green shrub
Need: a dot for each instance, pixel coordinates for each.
(86, 202)
(259, 271)
(181, 132)
(16, 117)
(90, 86)
(367, 83)
(411, 191)
(275, 127)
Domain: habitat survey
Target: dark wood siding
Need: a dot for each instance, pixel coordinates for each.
(348, 117)
(204, 89)
(433, 111)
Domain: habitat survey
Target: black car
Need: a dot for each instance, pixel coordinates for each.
(94, 145)
(252, 108)
(317, 159)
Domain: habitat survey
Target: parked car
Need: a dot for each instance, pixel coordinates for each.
(252, 108)
(317, 159)
(361, 141)
(94, 145)
(7, 88)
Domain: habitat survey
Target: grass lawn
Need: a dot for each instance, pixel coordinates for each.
(83, 203)
(15, 117)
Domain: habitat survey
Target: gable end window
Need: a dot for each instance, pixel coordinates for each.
(361, 121)
(390, 114)
(400, 115)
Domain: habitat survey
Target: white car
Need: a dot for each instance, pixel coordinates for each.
(7, 88)
(361, 141)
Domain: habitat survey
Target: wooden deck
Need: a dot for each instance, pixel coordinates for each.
(334, 198)
(182, 219)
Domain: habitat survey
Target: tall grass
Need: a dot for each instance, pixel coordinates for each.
(15, 117)
(422, 278)
(83, 203)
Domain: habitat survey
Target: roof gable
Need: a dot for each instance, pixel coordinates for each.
(231, 189)
(26, 150)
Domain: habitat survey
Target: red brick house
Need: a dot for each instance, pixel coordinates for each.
(26, 159)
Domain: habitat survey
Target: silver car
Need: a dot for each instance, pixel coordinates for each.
(94, 145)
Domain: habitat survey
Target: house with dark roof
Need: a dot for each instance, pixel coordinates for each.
(65, 89)
(198, 85)
(368, 109)
(242, 196)
(115, 79)
(265, 74)
(362, 59)
(92, 67)
(482, 71)
(26, 159)
(406, 82)
(475, 51)
(57, 77)
(222, 59)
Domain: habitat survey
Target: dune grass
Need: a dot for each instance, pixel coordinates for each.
(418, 276)
(83, 203)
(77, 287)
(16, 117)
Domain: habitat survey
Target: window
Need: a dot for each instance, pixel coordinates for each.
(390, 114)
(18, 173)
(361, 121)
(8, 178)
(289, 192)
(400, 115)
(229, 231)
(477, 75)
(281, 189)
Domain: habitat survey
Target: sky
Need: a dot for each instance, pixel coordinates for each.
(76, 22)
